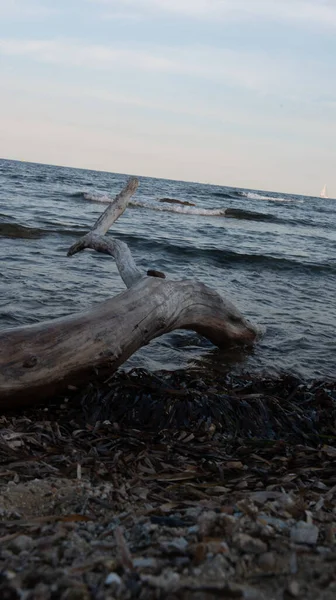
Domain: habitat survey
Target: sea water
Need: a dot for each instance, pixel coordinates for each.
(272, 254)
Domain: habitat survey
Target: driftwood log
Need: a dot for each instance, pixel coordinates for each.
(37, 361)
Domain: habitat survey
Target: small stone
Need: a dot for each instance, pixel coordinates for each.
(304, 533)
(207, 523)
(250, 545)
(228, 523)
(267, 561)
(246, 592)
(181, 561)
(78, 592)
(113, 578)
(293, 589)
(169, 581)
(42, 592)
(175, 546)
(21, 543)
(214, 524)
(278, 524)
(199, 553)
(217, 547)
(242, 485)
(145, 563)
(193, 530)
(193, 512)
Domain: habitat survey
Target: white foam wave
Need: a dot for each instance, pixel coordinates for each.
(255, 196)
(185, 210)
(97, 198)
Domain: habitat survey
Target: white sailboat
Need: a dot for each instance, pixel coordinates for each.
(324, 193)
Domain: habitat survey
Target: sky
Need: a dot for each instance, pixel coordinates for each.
(232, 92)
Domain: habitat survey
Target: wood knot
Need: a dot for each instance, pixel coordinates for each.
(153, 273)
(30, 362)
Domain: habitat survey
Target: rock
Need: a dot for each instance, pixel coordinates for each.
(243, 592)
(42, 592)
(145, 563)
(250, 545)
(167, 581)
(21, 543)
(293, 589)
(267, 561)
(207, 522)
(262, 497)
(173, 201)
(227, 523)
(211, 524)
(193, 530)
(174, 546)
(279, 524)
(78, 592)
(193, 512)
(113, 578)
(304, 533)
(217, 547)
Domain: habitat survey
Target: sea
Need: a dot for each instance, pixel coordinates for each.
(272, 254)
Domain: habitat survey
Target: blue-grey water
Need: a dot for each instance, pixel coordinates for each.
(274, 258)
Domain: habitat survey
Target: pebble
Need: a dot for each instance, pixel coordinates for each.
(211, 523)
(176, 545)
(250, 545)
(145, 563)
(193, 530)
(75, 593)
(21, 543)
(167, 581)
(293, 589)
(217, 547)
(278, 524)
(267, 561)
(207, 523)
(246, 592)
(193, 512)
(113, 578)
(304, 533)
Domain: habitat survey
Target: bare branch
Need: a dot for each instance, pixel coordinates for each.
(127, 268)
(95, 240)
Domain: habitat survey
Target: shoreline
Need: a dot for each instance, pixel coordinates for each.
(101, 499)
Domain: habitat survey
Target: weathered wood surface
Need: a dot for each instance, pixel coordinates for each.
(39, 360)
(95, 239)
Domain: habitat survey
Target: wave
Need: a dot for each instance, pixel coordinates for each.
(224, 257)
(218, 257)
(184, 210)
(256, 196)
(172, 208)
(11, 230)
(224, 195)
(249, 215)
(233, 213)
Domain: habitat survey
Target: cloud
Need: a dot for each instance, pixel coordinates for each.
(74, 102)
(258, 72)
(19, 9)
(321, 12)
(89, 55)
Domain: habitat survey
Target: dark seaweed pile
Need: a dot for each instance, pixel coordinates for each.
(281, 408)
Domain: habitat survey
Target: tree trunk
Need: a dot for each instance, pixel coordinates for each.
(36, 361)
